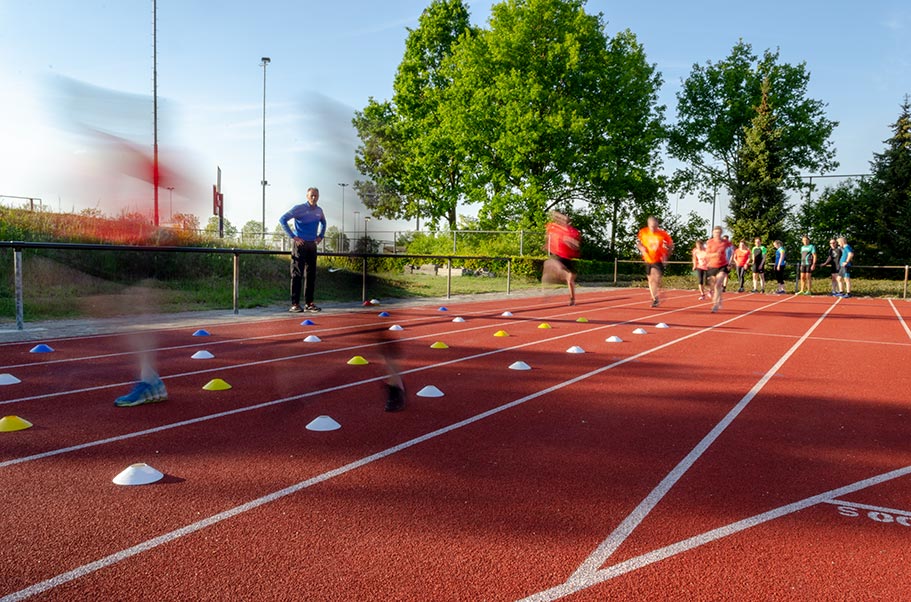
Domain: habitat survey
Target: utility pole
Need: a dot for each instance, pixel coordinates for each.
(155, 170)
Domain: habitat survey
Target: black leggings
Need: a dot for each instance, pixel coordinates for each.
(779, 276)
(303, 267)
(741, 274)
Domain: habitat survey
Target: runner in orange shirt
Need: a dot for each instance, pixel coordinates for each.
(741, 261)
(718, 257)
(656, 247)
(563, 246)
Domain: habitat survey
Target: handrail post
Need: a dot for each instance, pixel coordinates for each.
(17, 269)
(236, 293)
(509, 275)
(615, 270)
(363, 278)
(449, 278)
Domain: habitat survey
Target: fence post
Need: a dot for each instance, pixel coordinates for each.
(236, 282)
(615, 270)
(455, 238)
(17, 269)
(521, 243)
(905, 294)
(508, 275)
(449, 278)
(363, 279)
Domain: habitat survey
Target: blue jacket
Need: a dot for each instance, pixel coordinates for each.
(306, 221)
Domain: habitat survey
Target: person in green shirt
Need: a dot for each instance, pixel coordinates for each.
(807, 265)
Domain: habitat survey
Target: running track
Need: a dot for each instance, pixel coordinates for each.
(761, 453)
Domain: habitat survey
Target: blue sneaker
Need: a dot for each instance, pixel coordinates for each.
(143, 393)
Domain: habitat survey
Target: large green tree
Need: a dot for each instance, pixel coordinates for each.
(549, 111)
(408, 156)
(889, 218)
(716, 106)
(758, 202)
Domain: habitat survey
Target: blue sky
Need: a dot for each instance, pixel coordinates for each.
(327, 60)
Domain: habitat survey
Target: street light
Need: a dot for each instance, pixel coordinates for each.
(171, 204)
(265, 62)
(357, 214)
(366, 219)
(344, 186)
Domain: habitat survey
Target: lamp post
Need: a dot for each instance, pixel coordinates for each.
(171, 204)
(357, 214)
(342, 237)
(366, 219)
(265, 62)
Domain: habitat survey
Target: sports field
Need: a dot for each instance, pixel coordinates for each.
(760, 453)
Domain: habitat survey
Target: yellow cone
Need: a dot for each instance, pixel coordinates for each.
(357, 360)
(216, 384)
(439, 345)
(582, 320)
(501, 333)
(9, 424)
(543, 325)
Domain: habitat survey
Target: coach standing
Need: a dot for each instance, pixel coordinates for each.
(309, 229)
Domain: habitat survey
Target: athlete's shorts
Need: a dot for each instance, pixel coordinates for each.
(715, 271)
(806, 269)
(843, 272)
(654, 266)
(569, 264)
(759, 271)
(700, 274)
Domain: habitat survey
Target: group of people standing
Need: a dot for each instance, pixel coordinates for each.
(756, 259)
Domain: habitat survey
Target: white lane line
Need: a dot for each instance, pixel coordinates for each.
(869, 507)
(629, 524)
(155, 542)
(318, 353)
(207, 417)
(691, 543)
(900, 319)
(212, 343)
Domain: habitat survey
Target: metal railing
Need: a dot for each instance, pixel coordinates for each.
(18, 246)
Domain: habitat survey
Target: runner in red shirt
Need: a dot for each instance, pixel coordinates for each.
(563, 243)
(656, 247)
(718, 254)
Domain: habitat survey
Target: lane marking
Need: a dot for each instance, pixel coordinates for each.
(604, 551)
(160, 540)
(900, 319)
(869, 507)
(207, 417)
(323, 352)
(644, 560)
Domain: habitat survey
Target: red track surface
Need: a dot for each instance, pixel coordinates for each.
(623, 473)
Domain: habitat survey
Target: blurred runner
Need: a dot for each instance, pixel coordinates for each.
(718, 259)
(563, 243)
(656, 247)
(699, 266)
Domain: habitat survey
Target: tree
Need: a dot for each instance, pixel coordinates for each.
(336, 241)
(758, 203)
(716, 105)
(549, 111)
(187, 221)
(407, 154)
(252, 233)
(211, 228)
(889, 223)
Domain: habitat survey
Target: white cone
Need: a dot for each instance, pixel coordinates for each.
(614, 339)
(519, 366)
(575, 349)
(313, 339)
(506, 314)
(8, 379)
(202, 355)
(374, 302)
(640, 331)
(430, 391)
(322, 424)
(396, 327)
(458, 320)
(137, 474)
(661, 325)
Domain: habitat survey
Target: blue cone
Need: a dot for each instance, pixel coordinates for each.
(308, 323)
(384, 314)
(42, 348)
(443, 308)
(201, 333)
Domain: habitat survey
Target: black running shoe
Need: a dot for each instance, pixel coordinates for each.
(655, 302)
(295, 309)
(396, 399)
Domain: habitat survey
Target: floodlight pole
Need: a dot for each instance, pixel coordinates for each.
(155, 171)
(343, 186)
(265, 61)
(170, 203)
